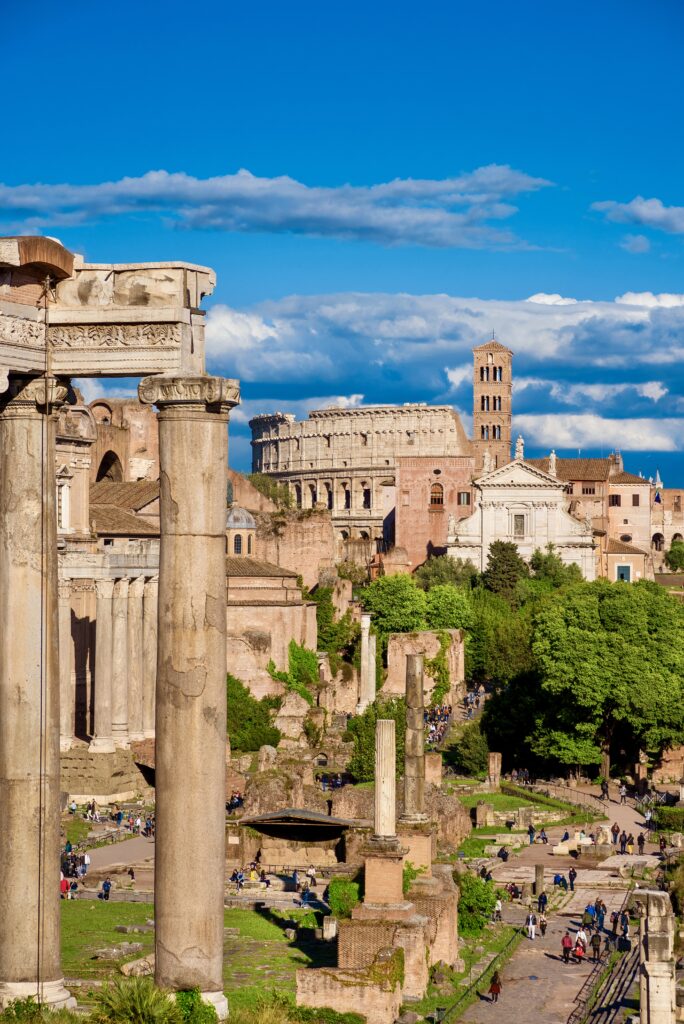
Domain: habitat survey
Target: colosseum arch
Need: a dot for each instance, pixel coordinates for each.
(110, 468)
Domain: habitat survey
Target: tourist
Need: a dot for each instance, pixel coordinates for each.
(630, 844)
(662, 843)
(311, 875)
(106, 889)
(615, 832)
(131, 875)
(623, 842)
(495, 987)
(68, 848)
(565, 836)
(86, 863)
(541, 902)
(263, 877)
(608, 944)
(503, 854)
(581, 936)
(648, 818)
(623, 793)
(572, 875)
(531, 832)
(604, 790)
(588, 918)
(543, 836)
(596, 945)
(601, 910)
(531, 924)
(566, 947)
(579, 952)
(63, 887)
(295, 880)
(498, 907)
(72, 807)
(624, 924)
(543, 922)
(614, 920)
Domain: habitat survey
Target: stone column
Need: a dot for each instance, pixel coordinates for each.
(103, 742)
(149, 654)
(191, 681)
(385, 780)
(657, 979)
(494, 770)
(67, 680)
(29, 695)
(364, 687)
(414, 744)
(135, 658)
(120, 664)
(538, 879)
(372, 666)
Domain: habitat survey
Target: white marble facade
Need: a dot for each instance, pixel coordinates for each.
(527, 506)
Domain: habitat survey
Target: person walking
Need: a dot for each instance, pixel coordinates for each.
(615, 832)
(614, 921)
(543, 923)
(566, 947)
(630, 844)
(648, 818)
(581, 938)
(531, 832)
(623, 793)
(623, 842)
(531, 924)
(600, 914)
(106, 889)
(541, 902)
(596, 945)
(572, 875)
(604, 790)
(641, 842)
(495, 987)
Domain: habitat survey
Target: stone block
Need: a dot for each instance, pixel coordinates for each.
(433, 768)
(139, 968)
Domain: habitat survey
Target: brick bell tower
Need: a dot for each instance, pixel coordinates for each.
(492, 386)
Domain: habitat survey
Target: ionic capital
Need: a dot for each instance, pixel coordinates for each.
(26, 394)
(201, 393)
(64, 589)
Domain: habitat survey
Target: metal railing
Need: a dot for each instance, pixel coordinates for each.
(585, 998)
(495, 962)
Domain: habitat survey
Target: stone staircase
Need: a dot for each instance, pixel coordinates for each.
(106, 777)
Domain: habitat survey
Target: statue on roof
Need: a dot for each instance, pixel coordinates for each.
(520, 447)
(487, 462)
(552, 463)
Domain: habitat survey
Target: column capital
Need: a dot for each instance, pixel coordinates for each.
(47, 394)
(121, 587)
(104, 589)
(137, 586)
(198, 393)
(64, 589)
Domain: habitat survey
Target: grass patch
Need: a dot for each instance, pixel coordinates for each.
(76, 828)
(499, 801)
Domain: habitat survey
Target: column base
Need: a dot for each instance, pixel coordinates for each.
(136, 737)
(49, 993)
(65, 744)
(149, 734)
(361, 706)
(219, 1001)
(101, 745)
(122, 743)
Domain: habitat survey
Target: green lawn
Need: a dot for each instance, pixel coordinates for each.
(499, 801)
(259, 959)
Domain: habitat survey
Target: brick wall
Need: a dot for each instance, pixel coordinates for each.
(343, 991)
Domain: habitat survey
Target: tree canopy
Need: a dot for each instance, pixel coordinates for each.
(675, 556)
(444, 569)
(396, 604)
(249, 722)
(447, 607)
(362, 731)
(505, 567)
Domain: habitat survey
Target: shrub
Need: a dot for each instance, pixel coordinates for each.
(670, 819)
(470, 753)
(270, 488)
(475, 904)
(408, 876)
(135, 1001)
(193, 1009)
(249, 722)
(343, 896)
(22, 1011)
(362, 730)
(302, 671)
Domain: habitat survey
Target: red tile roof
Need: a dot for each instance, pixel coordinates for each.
(618, 547)
(577, 469)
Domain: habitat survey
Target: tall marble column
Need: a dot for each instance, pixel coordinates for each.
(372, 666)
(414, 744)
(191, 681)
(135, 658)
(120, 664)
(67, 678)
(149, 654)
(29, 695)
(364, 687)
(385, 780)
(103, 742)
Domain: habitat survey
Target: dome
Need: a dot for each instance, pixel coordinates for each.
(239, 519)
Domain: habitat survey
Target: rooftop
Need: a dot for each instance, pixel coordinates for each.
(577, 469)
(241, 566)
(618, 547)
(134, 495)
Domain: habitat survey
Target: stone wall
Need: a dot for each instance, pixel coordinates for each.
(670, 767)
(300, 541)
(130, 430)
(400, 645)
(246, 495)
(349, 991)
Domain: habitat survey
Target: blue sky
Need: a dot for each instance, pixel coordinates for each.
(379, 186)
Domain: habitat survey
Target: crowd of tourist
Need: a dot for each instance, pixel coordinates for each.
(436, 723)
(473, 701)
(332, 780)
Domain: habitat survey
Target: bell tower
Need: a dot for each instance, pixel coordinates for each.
(492, 386)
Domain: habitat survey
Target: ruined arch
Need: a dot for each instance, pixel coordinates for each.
(110, 468)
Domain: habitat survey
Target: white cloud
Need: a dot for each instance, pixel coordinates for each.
(449, 212)
(544, 299)
(299, 407)
(458, 375)
(590, 431)
(94, 387)
(579, 394)
(648, 300)
(651, 213)
(635, 244)
(652, 389)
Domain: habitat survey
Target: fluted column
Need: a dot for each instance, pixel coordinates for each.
(120, 664)
(29, 695)
(103, 742)
(385, 780)
(364, 687)
(67, 679)
(149, 654)
(414, 744)
(135, 658)
(190, 722)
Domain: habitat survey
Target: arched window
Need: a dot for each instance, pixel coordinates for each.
(658, 542)
(347, 498)
(676, 538)
(497, 404)
(298, 495)
(484, 433)
(496, 433)
(110, 468)
(314, 495)
(436, 495)
(366, 497)
(237, 544)
(249, 543)
(484, 403)
(484, 373)
(328, 496)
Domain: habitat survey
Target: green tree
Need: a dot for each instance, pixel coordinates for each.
(675, 556)
(548, 565)
(611, 658)
(448, 607)
(469, 754)
(504, 568)
(362, 731)
(475, 904)
(249, 722)
(444, 569)
(338, 638)
(396, 604)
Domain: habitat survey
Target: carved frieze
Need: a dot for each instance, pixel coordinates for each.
(15, 330)
(114, 335)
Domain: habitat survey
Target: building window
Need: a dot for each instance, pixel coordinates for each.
(658, 542)
(614, 500)
(298, 495)
(497, 404)
(635, 500)
(347, 498)
(484, 404)
(366, 497)
(463, 498)
(436, 495)
(677, 505)
(624, 573)
(626, 538)
(364, 439)
(237, 544)
(484, 373)
(588, 489)
(518, 526)
(496, 433)
(314, 495)
(498, 373)
(484, 433)
(329, 496)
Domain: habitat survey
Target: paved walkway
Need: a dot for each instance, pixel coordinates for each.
(126, 852)
(537, 986)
